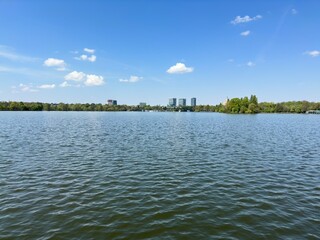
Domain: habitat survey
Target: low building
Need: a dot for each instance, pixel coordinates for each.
(313, 112)
(142, 104)
(112, 102)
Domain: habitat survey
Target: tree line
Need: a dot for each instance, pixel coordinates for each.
(243, 105)
(251, 105)
(38, 106)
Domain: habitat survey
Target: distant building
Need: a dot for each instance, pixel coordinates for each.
(182, 102)
(142, 104)
(225, 102)
(313, 112)
(112, 102)
(193, 102)
(172, 102)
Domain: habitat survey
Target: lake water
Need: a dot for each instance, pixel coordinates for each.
(87, 175)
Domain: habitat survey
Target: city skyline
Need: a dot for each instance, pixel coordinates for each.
(172, 102)
(78, 52)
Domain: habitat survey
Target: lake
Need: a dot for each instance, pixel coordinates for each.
(127, 175)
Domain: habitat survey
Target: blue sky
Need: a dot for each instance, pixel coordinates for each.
(149, 51)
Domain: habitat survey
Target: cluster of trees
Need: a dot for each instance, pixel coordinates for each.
(289, 107)
(235, 105)
(205, 108)
(251, 105)
(240, 105)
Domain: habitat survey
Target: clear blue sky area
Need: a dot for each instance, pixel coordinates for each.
(149, 51)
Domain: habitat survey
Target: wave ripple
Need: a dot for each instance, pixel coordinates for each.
(159, 175)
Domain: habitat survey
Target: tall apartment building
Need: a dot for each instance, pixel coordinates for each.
(182, 102)
(172, 102)
(193, 102)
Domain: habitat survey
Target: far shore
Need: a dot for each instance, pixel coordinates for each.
(233, 106)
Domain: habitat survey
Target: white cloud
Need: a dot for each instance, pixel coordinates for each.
(75, 76)
(86, 79)
(94, 80)
(54, 62)
(294, 11)
(245, 19)
(25, 88)
(245, 33)
(132, 79)
(92, 58)
(179, 68)
(47, 86)
(314, 53)
(65, 84)
(250, 64)
(85, 57)
(88, 50)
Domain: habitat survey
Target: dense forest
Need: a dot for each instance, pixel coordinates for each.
(235, 105)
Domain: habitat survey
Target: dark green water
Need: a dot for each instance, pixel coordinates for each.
(159, 176)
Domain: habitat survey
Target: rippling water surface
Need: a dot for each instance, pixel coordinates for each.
(159, 175)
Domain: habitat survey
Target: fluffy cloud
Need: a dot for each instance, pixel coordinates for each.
(245, 19)
(94, 80)
(245, 33)
(87, 79)
(85, 57)
(75, 76)
(250, 64)
(93, 58)
(179, 68)
(88, 50)
(65, 84)
(132, 79)
(47, 86)
(314, 53)
(54, 62)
